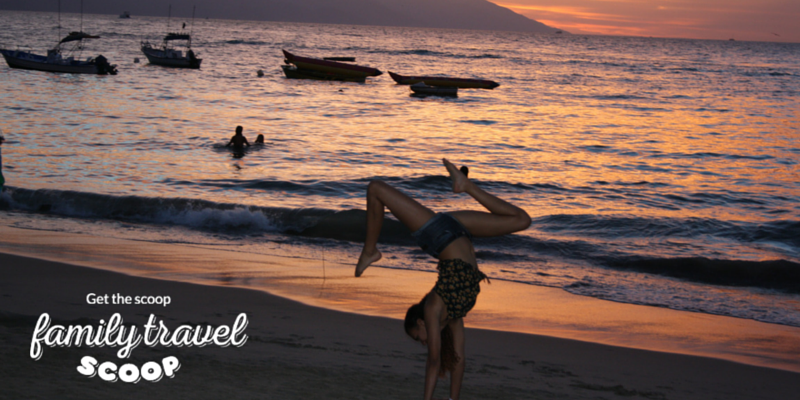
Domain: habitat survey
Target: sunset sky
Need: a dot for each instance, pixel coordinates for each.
(756, 20)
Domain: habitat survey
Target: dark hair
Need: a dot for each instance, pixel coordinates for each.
(414, 313)
(239, 129)
(449, 358)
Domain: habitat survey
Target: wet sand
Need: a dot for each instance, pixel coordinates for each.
(298, 350)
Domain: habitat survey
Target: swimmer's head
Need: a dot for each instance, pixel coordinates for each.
(239, 130)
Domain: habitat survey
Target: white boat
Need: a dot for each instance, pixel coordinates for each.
(168, 56)
(60, 60)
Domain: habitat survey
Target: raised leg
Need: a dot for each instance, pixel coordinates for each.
(503, 217)
(407, 210)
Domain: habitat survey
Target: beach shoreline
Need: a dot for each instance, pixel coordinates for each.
(324, 336)
(384, 292)
(295, 350)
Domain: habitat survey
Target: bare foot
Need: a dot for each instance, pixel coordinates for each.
(460, 181)
(365, 260)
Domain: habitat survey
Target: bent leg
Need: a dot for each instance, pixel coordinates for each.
(503, 217)
(483, 224)
(407, 210)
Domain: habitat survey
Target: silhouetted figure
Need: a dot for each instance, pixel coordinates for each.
(259, 139)
(238, 140)
(438, 320)
(464, 170)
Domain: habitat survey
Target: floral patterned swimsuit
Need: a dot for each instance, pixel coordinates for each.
(459, 281)
(458, 286)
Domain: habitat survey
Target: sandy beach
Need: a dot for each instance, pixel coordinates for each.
(303, 347)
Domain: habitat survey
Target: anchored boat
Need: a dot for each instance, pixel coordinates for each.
(444, 81)
(293, 72)
(168, 56)
(421, 88)
(60, 59)
(314, 68)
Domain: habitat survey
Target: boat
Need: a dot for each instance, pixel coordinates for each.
(125, 15)
(422, 88)
(293, 72)
(59, 59)
(444, 81)
(341, 69)
(168, 56)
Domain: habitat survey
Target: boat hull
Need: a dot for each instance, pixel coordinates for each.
(434, 90)
(293, 72)
(167, 59)
(330, 67)
(25, 60)
(444, 81)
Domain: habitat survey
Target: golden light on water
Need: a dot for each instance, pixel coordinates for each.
(578, 125)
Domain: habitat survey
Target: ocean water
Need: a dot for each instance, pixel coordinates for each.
(657, 171)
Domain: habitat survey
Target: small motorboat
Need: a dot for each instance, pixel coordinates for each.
(168, 56)
(60, 60)
(444, 81)
(421, 88)
(125, 15)
(330, 68)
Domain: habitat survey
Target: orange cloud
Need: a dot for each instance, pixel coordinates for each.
(577, 12)
(712, 19)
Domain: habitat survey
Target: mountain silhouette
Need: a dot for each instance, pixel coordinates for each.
(451, 14)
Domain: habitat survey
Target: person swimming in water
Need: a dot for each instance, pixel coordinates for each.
(259, 139)
(238, 140)
(438, 320)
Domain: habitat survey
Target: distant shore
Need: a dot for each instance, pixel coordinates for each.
(296, 350)
(472, 15)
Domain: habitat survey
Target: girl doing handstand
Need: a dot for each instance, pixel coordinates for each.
(438, 320)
